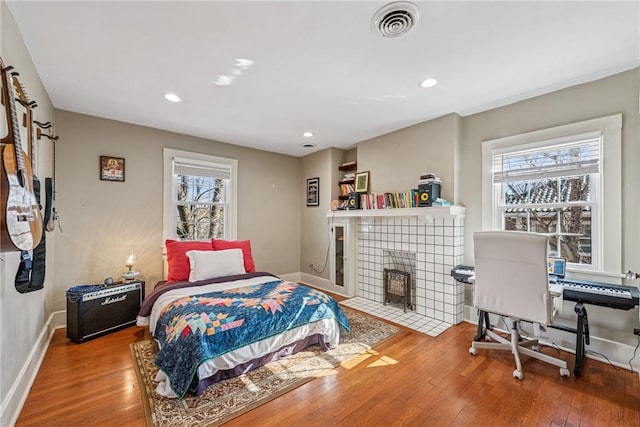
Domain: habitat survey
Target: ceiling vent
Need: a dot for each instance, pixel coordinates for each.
(395, 19)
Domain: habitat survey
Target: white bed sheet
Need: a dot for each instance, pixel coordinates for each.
(327, 327)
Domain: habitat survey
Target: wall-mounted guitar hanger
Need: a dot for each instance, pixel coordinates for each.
(41, 125)
(46, 125)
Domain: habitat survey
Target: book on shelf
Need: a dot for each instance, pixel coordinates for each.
(345, 189)
(407, 199)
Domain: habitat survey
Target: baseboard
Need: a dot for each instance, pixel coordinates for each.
(59, 319)
(17, 394)
(618, 353)
(321, 283)
(291, 277)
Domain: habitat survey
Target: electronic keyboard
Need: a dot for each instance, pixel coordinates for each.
(463, 273)
(618, 297)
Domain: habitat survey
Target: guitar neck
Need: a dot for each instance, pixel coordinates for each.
(21, 95)
(15, 129)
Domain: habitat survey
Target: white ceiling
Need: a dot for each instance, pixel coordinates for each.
(317, 65)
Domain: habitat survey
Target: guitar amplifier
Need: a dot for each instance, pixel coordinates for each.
(97, 310)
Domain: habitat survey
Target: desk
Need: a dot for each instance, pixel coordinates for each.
(466, 274)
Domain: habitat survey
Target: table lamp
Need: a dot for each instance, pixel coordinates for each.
(130, 262)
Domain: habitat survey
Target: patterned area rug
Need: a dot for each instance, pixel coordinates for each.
(231, 398)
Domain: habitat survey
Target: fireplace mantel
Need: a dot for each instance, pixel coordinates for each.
(426, 214)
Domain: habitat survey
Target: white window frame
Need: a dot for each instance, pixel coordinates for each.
(607, 233)
(169, 184)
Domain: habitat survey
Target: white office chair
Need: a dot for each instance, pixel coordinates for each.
(512, 281)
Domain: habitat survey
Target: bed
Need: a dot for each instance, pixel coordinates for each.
(217, 328)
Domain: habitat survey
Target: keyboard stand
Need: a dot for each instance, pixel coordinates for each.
(582, 336)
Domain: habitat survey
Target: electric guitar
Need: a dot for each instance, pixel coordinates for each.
(21, 221)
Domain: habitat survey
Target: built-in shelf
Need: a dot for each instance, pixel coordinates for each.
(350, 166)
(427, 213)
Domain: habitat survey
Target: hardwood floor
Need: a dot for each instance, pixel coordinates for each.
(411, 379)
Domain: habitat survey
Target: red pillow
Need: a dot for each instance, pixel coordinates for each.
(179, 268)
(245, 245)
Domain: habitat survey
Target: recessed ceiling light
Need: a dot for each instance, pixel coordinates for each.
(308, 145)
(223, 80)
(429, 83)
(307, 134)
(243, 63)
(171, 97)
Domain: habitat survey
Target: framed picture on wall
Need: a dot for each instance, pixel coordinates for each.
(362, 182)
(112, 168)
(313, 191)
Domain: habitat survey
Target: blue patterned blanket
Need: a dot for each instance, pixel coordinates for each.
(197, 328)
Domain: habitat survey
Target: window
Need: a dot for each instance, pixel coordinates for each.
(200, 194)
(564, 182)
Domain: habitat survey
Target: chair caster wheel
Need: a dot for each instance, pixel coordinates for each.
(473, 351)
(564, 372)
(518, 374)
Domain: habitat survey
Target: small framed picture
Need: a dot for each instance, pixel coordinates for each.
(362, 182)
(111, 168)
(313, 191)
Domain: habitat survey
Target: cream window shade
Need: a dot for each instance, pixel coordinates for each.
(197, 168)
(571, 159)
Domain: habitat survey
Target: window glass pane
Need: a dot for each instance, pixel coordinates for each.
(574, 219)
(569, 248)
(543, 220)
(577, 188)
(576, 234)
(516, 193)
(544, 191)
(516, 220)
(199, 189)
(199, 222)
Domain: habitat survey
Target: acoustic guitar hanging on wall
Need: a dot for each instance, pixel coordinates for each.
(21, 220)
(32, 268)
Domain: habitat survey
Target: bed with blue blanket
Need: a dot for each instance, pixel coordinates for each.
(215, 329)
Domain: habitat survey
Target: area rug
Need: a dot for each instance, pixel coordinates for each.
(231, 398)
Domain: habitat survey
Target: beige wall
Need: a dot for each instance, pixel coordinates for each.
(396, 160)
(101, 220)
(22, 316)
(315, 228)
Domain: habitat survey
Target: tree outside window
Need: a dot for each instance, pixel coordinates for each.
(200, 204)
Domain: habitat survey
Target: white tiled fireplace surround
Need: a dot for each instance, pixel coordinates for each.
(435, 237)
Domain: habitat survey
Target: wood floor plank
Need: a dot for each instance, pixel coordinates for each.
(409, 380)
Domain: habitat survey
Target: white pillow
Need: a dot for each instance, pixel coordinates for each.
(210, 264)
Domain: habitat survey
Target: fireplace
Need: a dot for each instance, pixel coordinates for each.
(397, 288)
(428, 250)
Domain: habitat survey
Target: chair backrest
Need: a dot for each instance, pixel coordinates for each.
(511, 275)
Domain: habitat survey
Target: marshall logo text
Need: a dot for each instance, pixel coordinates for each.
(111, 300)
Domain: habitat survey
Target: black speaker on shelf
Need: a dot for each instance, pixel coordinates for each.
(354, 201)
(427, 193)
